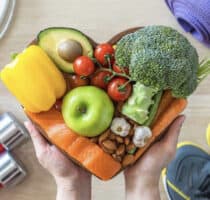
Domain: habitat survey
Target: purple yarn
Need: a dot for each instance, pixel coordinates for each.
(193, 16)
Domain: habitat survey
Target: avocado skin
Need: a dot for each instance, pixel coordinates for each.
(49, 38)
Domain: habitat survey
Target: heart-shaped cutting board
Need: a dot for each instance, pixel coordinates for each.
(88, 152)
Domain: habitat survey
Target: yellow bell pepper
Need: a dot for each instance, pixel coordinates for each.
(34, 79)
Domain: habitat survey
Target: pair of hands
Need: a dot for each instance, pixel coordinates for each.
(141, 179)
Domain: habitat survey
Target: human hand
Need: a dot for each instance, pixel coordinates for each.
(142, 179)
(72, 181)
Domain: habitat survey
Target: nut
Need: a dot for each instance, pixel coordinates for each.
(104, 136)
(107, 150)
(130, 147)
(119, 139)
(127, 141)
(127, 160)
(110, 145)
(120, 150)
(117, 158)
(94, 139)
(112, 136)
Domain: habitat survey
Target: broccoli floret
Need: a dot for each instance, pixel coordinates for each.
(124, 49)
(162, 58)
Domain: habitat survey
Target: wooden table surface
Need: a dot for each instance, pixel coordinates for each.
(100, 20)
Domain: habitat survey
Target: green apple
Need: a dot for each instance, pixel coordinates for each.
(87, 110)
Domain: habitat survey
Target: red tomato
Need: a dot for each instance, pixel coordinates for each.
(102, 50)
(83, 66)
(77, 80)
(100, 79)
(121, 70)
(116, 93)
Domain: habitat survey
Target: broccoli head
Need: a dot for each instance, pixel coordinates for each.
(162, 58)
(124, 49)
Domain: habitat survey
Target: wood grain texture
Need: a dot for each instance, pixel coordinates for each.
(90, 17)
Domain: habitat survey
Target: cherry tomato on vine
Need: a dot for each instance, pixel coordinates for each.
(101, 79)
(122, 70)
(102, 50)
(76, 81)
(117, 89)
(83, 66)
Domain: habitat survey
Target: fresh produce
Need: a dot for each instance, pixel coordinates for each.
(141, 136)
(83, 66)
(89, 154)
(124, 49)
(77, 81)
(176, 106)
(120, 126)
(161, 58)
(103, 50)
(34, 80)
(119, 89)
(165, 102)
(144, 78)
(87, 110)
(138, 104)
(69, 50)
(101, 79)
(119, 69)
(63, 45)
(153, 109)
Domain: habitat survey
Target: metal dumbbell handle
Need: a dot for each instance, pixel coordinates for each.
(12, 133)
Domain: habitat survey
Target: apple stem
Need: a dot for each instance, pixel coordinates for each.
(82, 110)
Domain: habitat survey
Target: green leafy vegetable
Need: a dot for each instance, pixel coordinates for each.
(138, 104)
(160, 57)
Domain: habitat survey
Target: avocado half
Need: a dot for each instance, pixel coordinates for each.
(48, 39)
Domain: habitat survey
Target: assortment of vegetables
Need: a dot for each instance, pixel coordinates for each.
(119, 99)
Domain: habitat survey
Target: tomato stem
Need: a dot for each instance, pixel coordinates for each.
(96, 62)
(108, 59)
(115, 73)
(122, 87)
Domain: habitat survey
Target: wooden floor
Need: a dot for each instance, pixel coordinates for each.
(100, 20)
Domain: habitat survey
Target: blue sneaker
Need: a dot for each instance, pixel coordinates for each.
(187, 177)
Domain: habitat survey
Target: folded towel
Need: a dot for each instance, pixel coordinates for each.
(193, 16)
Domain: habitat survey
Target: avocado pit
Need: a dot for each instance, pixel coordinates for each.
(69, 50)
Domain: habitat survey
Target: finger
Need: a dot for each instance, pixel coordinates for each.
(38, 141)
(174, 131)
(170, 140)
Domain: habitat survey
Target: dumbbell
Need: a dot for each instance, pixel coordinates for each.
(12, 134)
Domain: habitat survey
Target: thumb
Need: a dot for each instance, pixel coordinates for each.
(39, 142)
(170, 140)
